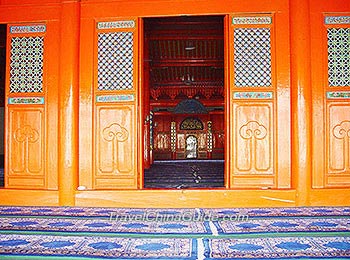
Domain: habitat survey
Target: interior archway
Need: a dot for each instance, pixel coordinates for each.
(191, 147)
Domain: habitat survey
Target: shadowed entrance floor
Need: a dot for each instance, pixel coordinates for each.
(1, 177)
(184, 174)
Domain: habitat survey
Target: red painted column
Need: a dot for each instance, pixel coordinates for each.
(68, 102)
(301, 99)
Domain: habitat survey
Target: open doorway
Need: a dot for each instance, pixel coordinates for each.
(3, 37)
(184, 102)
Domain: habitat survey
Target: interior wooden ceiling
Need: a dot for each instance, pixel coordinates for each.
(185, 51)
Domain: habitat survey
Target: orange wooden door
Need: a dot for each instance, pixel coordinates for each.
(330, 95)
(112, 137)
(30, 52)
(259, 101)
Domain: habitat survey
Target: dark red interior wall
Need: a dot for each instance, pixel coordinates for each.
(162, 135)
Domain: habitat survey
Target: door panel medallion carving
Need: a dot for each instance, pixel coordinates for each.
(253, 132)
(114, 134)
(114, 143)
(26, 136)
(340, 147)
(26, 142)
(254, 139)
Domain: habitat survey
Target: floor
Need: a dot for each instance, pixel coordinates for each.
(184, 174)
(79, 233)
(179, 174)
(1, 170)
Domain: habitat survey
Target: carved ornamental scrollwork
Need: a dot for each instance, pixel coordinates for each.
(26, 135)
(115, 133)
(342, 132)
(191, 123)
(253, 131)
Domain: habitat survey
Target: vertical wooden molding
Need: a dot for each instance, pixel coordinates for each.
(228, 63)
(144, 102)
(301, 99)
(68, 103)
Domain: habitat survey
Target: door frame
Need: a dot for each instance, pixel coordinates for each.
(144, 119)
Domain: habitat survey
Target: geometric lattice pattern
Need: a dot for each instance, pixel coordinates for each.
(252, 57)
(173, 136)
(338, 57)
(26, 64)
(115, 61)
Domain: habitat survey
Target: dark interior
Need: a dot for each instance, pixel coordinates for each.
(2, 94)
(184, 74)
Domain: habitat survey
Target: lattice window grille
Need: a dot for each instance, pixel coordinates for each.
(173, 136)
(115, 61)
(338, 57)
(210, 136)
(26, 64)
(252, 57)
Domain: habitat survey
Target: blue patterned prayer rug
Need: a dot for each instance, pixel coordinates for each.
(97, 225)
(13, 245)
(239, 213)
(149, 213)
(110, 213)
(277, 248)
(277, 225)
(249, 226)
(107, 233)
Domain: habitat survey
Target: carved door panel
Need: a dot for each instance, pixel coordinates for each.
(259, 103)
(114, 124)
(331, 95)
(29, 50)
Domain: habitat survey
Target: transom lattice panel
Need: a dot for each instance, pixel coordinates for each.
(115, 61)
(26, 64)
(252, 57)
(338, 57)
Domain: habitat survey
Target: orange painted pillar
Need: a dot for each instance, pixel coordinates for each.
(301, 99)
(68, 103)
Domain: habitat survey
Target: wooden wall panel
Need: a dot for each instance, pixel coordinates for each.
(253, 138)
(114, 141)
(330, 98)
(27, 142)
(259, 103)
(253, 144)
(338, 137)
(115, 147)
(113, 137)
(31, 95)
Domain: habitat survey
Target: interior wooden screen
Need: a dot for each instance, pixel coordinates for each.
(260, 105)
(331, 94)
(28, 63)
(115, 92)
